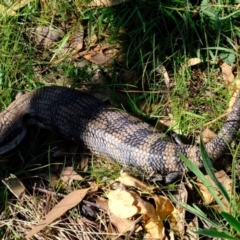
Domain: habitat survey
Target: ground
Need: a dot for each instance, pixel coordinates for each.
(174, 65)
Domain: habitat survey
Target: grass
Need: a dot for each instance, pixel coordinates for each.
(144, 35)
(231, 220)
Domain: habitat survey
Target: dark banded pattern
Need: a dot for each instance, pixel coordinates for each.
(105, 130)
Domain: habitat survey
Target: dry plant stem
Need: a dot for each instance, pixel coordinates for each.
(49, 192)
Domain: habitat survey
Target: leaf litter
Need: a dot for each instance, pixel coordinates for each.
(133, 209)
(130, 210)
(70, 201)
(126, 209)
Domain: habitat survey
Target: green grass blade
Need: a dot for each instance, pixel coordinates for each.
(196, 211)
(222, 49)
(214, 233)
(232, 221)
(203, 179)
(209, 169)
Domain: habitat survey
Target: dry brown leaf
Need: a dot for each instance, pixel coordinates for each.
(101, 47)
(44, 35)
(121, 203)
(6, 10)
(83, 163)
(233, 99)
(122, 225)
(128, 180)
(112, 233)
(125, 204)
(11, 10)
(153, 224)
(103, 203)
(175, 223)
(191, 228)
(166, 122)
(70, 201)
(97, 58)
(106, 3)
(163, 206)
(75, 41)
(166, 210)
(149, 108)
(15, 186)
(68, 175)
(91, 40)
(174, 125)
(100, 59)
(144, 207)
(177, 218)
(19, 4)
(237, 82)
(207, 135)
(207, 196)
(223, 178)
(155, 230)
(163, 71)
(111, 53)
(193, 61)
(227, 73)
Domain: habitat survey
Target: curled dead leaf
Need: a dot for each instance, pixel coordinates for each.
(155, 230)
(15, 186)
(125, 205)
(97, 58)
(19, 4)
(106, 3)
(207, 135)
(75, 41)
(223, 178)
(227, 73)
(44, 35)
(68, 175)
(163, 71)
(164, 207)
(99, 55)
(6, 11)
(193, 61)
(122, 225)
(128, 180)
(233, 99)
(11, 9)
(166, 210)
(121, 203)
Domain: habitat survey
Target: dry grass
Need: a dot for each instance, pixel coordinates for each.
(134, 55)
